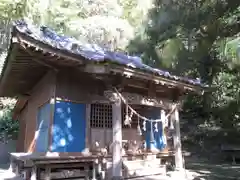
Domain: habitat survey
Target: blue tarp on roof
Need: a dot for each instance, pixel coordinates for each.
(91, 52)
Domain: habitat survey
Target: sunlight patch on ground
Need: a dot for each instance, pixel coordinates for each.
(204, 172)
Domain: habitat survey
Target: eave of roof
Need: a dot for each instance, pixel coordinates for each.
(73, 49)
(122, 69)
(42, 40)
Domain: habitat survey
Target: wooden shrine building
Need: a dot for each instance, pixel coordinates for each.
(79, 100)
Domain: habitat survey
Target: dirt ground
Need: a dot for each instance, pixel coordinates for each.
(207, 170)
(196, 169)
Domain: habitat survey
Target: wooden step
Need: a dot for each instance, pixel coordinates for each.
(138, 168)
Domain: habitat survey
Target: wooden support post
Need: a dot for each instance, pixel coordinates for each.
(88, 140)
(47, 173)
(12, 165)
(163, 118)
(52, 106)
(94, 172)
(34, 173)
(17, 170)
(177, 142)
(117, 139)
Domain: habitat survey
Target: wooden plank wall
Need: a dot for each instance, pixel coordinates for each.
(78, 89)
(40, 94)
(104, 136)
(22, 130)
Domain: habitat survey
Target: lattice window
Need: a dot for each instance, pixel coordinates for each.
(101, 116)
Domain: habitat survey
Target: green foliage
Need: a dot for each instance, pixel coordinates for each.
(198, 39)
(8, 127)
(110, 24)
(106, 23)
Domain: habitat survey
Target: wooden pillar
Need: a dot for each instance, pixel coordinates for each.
(34, 173)
(117, 139)
(163, 118)
(52, 106)
(47, 173)
(177, 141)
(88, 140)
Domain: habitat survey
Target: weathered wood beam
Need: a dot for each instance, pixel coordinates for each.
(36, 58)
(137, 86)
(48, 49)
(151, 88)
(120, 82)
(154, 80)
(141, 100)
(176, 94)
(95, 69)
(128, 72)
(19, 106)
(114, 81)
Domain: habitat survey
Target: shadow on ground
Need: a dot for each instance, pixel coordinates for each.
(4, 166)
(202, 168)
(213, 171)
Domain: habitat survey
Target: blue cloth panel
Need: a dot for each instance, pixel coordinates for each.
(154, 114)
(69, 127)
